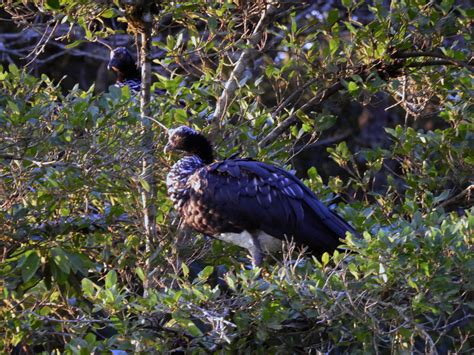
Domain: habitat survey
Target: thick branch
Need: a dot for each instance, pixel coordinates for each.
(429, 63)
(464, 196)
(147, 186)
(232, 83)
(433, 54)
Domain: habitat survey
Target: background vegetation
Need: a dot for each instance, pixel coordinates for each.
(370, 102)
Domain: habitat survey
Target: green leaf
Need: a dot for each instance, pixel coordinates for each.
(212, 23)
(53, 4)
(13, 107)
(346, 3)
(333, 16)
(80, 263)
(230, 282)
(443, 196)
(185, 269)
(325, 121)
(145, 184)
(179, 40)
(205, 273)
(44, 311)
(30, 266)
(20, 213)
(333, 45)
(109, 13)
(188, 326)
(180, 115)
(469, 160)
(111, 279)
(61, 260)
(446, 5)
(350, 27)
(88, 287)
(12, 68)
(90, 338)
(352, 87)
(140, 273)
(325, 259)
(75, 43)
(293, 23)
(412, 283)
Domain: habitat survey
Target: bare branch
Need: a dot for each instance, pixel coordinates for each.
(465, 194)
(433, 54)
(147, 188)
(430, 63)
(41, 45)
(232, 83)
(284, 125)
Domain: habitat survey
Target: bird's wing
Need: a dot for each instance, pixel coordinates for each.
(253, 195)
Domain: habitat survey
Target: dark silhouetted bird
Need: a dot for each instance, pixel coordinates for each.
(246, 202)
(122, 63)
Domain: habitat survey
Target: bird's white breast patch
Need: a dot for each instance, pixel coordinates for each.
(244, 239)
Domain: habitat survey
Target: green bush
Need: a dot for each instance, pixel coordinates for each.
(74, 261)
(77, 272)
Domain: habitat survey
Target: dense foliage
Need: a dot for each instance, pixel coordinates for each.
(74, 261)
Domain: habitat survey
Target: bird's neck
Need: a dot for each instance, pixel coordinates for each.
(202, 148)
(206, 155)
(188, 164)
(178, 176)
(128, 74)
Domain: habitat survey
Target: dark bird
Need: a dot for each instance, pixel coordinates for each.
(245, 202)
(122, 63)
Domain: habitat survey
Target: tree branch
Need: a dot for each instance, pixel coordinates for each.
(149, 193)
(433, 54)
(429, 63)
(464, 194)
(384, 70)
(284, 125)
(232, 83)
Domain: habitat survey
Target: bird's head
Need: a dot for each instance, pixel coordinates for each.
(122, 62)
(186, 139)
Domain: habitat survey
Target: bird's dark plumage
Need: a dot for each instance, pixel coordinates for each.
(267, 203)
(122, 63)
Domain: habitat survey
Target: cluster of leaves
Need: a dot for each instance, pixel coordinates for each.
(73, 257)
(74, 262)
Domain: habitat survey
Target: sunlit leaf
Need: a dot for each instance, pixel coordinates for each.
(30, 266)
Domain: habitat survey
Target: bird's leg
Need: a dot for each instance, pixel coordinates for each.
(256, 252)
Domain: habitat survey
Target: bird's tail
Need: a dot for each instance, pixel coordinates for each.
(323, 229)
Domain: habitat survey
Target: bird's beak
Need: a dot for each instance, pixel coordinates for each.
(168, 148)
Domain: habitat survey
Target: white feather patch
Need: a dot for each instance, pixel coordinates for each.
(244, 239)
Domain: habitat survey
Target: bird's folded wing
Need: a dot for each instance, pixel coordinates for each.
(256, 196)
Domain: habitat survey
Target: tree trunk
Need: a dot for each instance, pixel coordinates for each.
(147, 186)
